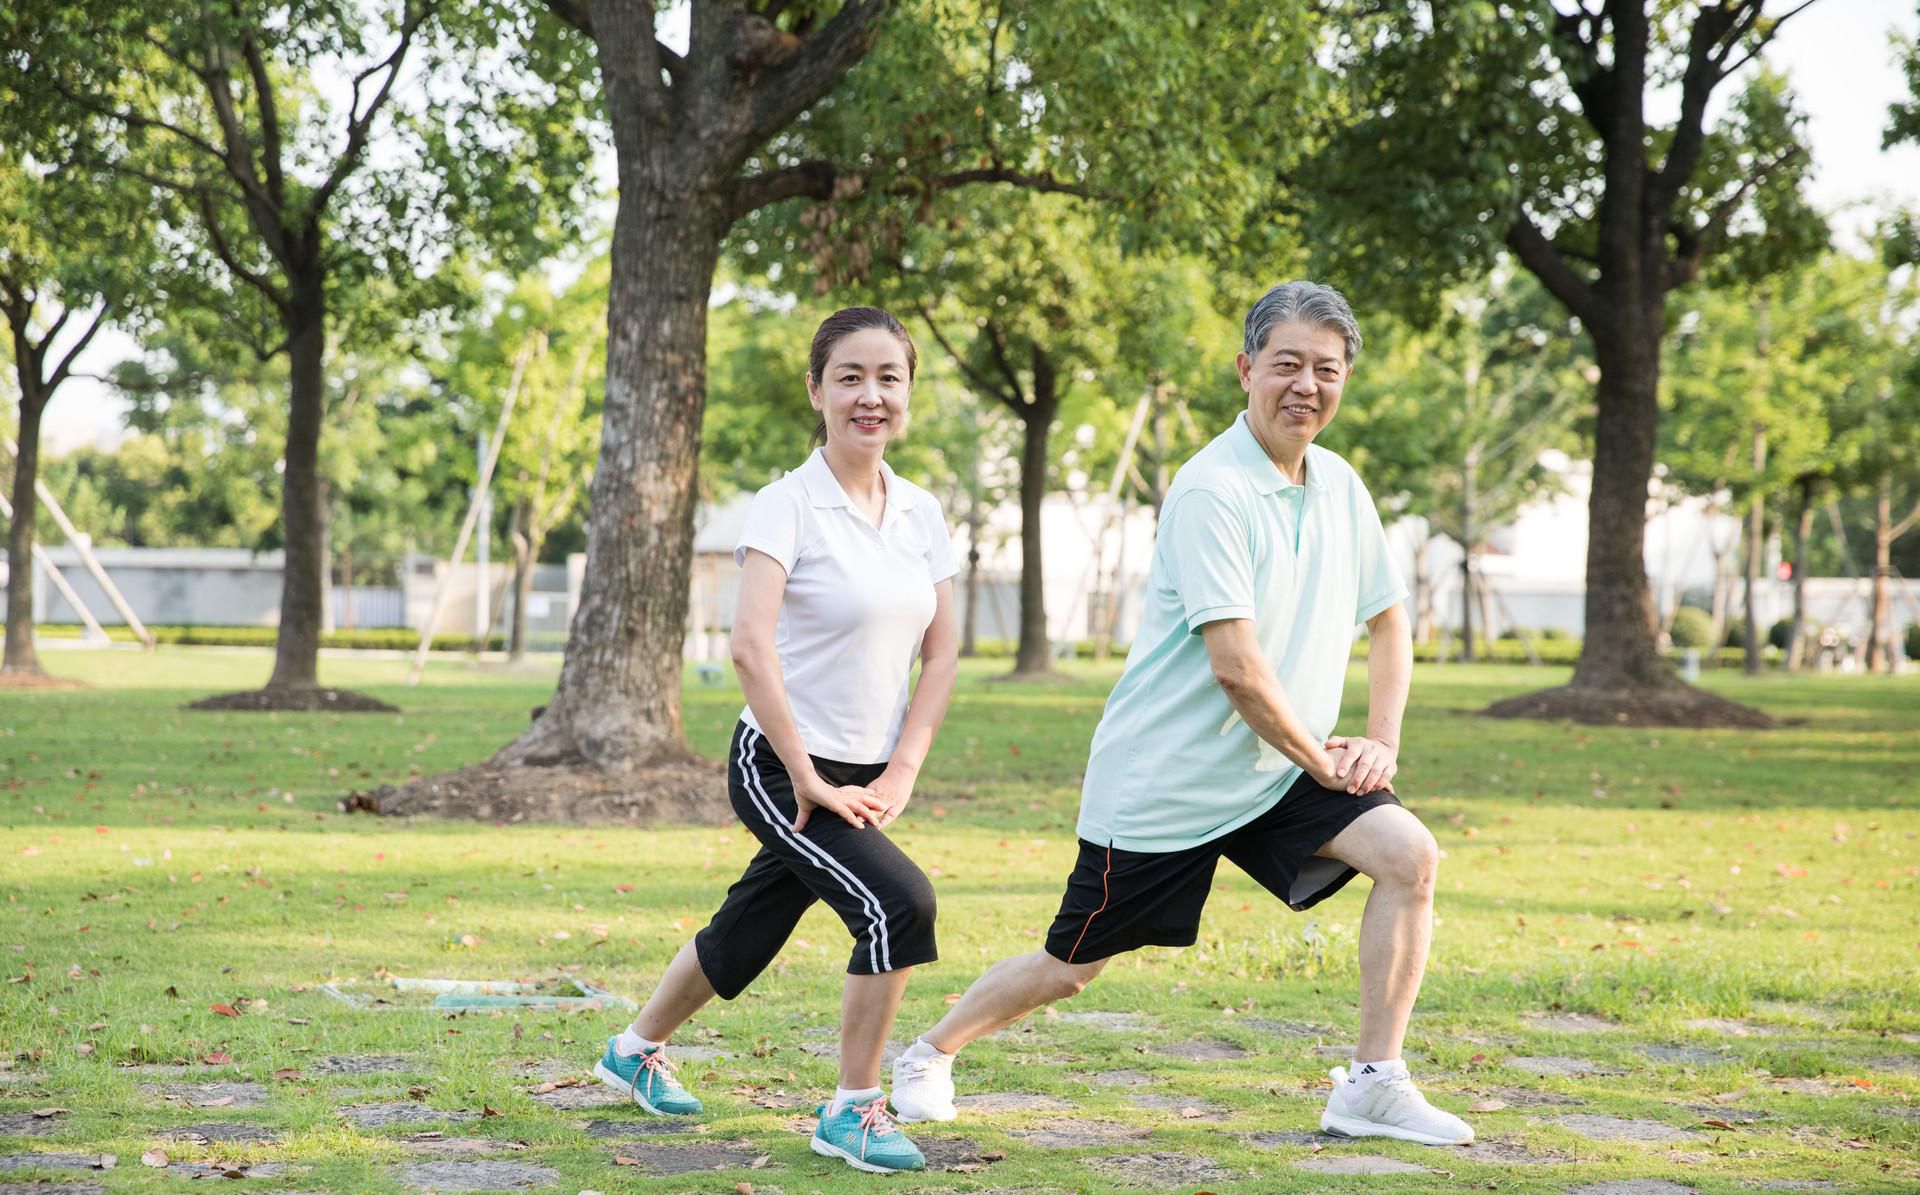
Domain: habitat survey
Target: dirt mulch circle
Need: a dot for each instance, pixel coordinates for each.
(294, 699)
(688, 790)
(37, 680)
(1678, 706)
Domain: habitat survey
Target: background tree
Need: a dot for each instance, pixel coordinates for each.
(958, 93)
(278, 212)
(1448, 423)
(552, 438)
(1529, 129)
(72, 244)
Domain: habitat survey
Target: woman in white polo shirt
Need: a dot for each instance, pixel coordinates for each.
(846, 577)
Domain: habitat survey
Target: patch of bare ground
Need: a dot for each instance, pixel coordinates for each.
(297, 699)
(681, 788)
(1678, 705)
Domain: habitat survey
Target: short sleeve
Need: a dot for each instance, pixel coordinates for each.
(942, 561)
(1207, 557)
(774, 525)
(1379, 584)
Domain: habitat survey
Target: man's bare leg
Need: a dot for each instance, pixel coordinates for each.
(1009, 990)
(1391, 847)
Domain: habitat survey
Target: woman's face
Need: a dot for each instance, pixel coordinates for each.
(862, 393)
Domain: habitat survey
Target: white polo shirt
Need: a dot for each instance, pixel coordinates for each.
(858, 602)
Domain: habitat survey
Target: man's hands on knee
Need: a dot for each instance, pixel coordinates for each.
(1362, 765)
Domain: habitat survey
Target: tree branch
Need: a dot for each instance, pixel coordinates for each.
(65, 368)
(572, 14)
(269, 120)
(631, 57)
(359, 123)
(1547, 264)
(210, 217)
(821, 179)
(1692, 246)
(997, 343)
(786, 90)
(1905, 525)
(1716, 30)
(980, 383)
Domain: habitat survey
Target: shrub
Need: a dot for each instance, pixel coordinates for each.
(1779, 633)
(1692, 627)
(1913, 641)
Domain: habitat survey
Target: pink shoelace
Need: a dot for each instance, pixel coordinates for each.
(874, 1118)
(655, 1061)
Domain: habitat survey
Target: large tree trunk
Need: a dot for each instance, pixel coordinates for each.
(1756, 553)
(971, 621)
(523, 557)
(296, 651)
(21, 657)
(1621, 678)
(1880, 637)
(1035, 655)
(295, 682)
(1803, 529)
(1620, 651)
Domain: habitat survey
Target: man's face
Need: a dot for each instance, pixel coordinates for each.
(1293, 387)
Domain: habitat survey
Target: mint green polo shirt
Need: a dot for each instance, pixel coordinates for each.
(1172, 764)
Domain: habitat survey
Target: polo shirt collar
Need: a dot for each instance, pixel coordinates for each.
(823, 488)
(1265, 475)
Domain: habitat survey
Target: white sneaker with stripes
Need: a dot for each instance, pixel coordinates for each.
(1389, 1107)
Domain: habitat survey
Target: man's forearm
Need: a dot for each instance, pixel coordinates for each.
(1389, 674)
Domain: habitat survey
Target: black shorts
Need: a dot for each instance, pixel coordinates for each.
(884, 899)
(1118, 900)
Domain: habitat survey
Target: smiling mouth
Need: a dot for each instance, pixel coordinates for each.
(869, 421)
(1297, 409)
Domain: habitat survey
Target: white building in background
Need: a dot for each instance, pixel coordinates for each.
(1097, 556)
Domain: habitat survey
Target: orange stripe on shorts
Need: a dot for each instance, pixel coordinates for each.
(1105, 897)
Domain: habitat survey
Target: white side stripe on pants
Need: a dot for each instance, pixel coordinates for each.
(879, 956)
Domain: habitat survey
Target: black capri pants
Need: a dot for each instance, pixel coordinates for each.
(884, 898)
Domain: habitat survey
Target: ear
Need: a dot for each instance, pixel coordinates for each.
(813, 393)
(1244, 365)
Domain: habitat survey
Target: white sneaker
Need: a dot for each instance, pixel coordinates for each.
(1390, 1107)
(923, 1088)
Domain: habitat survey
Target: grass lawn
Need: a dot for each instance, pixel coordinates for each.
(1681, 956)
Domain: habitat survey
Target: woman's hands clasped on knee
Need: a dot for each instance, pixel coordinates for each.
(856, 804)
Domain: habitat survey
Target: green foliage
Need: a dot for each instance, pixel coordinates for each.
(1692, 627)
(1492, 383)
(1911, 640)
(1458, 124)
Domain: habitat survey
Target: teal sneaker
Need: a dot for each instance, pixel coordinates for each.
(865, 1137)
(648, 1078)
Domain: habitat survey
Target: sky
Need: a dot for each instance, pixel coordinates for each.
(1837, 55)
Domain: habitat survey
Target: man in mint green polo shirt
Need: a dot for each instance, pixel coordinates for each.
(1219, 739)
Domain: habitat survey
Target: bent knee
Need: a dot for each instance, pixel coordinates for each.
(916, 905)
(1067, 980)
(1414, 861)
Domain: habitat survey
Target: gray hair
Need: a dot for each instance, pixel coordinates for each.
(1305, 303)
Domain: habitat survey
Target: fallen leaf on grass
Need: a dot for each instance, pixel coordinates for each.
(1486, 1106)
(995, 1156)
(1191, 1113)
(156, 1158)
(418, 1092)
(222, 1102)
(44, 1113)
(624, 1160)
(743, 1189)
(1728, 1097)
(287, 1073)
(1855, 1143)
(225, 1010)
(218, 1058)
(487, 1111)
(83, 1049)
(760, 1163)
